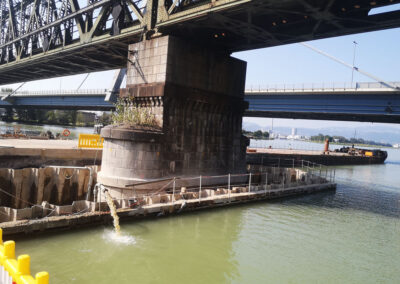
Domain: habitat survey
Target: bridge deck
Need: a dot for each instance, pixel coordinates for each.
(372, 102)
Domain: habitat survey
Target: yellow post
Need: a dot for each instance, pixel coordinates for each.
(42, 278)
(1, 236)
(24, 265)
(9, 249)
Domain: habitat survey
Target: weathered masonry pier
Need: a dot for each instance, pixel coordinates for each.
(196, 94)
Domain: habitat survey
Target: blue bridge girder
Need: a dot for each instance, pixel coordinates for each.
(342, 106)
(63, 100)
(50, 38)
(369, 102)
(60, 102)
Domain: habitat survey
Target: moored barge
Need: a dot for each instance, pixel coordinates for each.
(342, 156)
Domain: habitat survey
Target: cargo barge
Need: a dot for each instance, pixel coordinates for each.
(343, 156)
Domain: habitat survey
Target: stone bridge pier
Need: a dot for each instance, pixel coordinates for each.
(196, 94)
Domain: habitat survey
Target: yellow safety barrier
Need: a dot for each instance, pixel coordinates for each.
(90, 141)
(17, 270)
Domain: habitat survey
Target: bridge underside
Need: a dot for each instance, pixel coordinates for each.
(383, 108)
(325, 116)
(225, 25)
(260, 23)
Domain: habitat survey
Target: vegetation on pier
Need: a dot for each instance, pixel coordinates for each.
(128, 113)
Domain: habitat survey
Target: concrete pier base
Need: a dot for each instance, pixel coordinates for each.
(196, 96)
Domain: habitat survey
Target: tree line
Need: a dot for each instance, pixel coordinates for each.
(256, 134)
(56, 117)
(343, 140)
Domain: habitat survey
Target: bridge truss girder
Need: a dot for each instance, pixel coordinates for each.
(49, 38)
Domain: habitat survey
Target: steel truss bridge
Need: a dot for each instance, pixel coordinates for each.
(49, 38)
(370, 102)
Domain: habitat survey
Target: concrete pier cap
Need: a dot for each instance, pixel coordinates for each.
(196, 95)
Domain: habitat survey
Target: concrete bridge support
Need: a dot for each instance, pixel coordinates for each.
(196, 94)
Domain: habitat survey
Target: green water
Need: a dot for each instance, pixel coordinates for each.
(348, 236)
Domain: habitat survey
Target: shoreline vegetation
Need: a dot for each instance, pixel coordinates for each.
(56, 117)
(344, 141)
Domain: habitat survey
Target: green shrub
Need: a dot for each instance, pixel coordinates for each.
(127, 113)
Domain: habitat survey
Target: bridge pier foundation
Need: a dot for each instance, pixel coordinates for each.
(196, 95)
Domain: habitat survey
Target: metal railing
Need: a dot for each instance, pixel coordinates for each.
(321, 87)
(274, 88)
(258, 181)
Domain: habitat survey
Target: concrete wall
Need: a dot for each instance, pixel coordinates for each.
(24, 187)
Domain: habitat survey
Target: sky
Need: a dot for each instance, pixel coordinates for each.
(376, 53)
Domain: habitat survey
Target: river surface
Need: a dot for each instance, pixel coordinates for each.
(348, 236)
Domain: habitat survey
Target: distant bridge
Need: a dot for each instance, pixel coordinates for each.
(97, 99)
(370, 102)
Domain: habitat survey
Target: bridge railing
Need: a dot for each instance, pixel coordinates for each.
(85, 92)
(320, 87)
